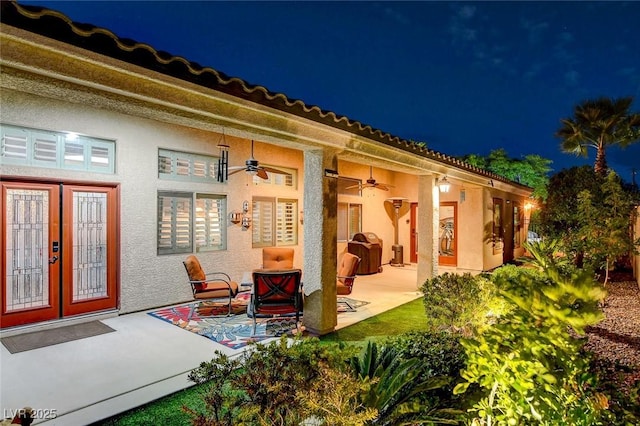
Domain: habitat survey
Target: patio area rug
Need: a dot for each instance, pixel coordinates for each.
(234, 331)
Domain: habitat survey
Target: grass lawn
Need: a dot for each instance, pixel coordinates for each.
(168, 410)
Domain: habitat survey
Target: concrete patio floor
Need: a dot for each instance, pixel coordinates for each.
(94, 378)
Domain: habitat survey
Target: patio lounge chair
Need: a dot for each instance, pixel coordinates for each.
(277, 258)
(347, 267)
(276, 292)
(213, 285)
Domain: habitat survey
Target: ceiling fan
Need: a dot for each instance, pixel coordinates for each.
(371, 183)
(253, 167)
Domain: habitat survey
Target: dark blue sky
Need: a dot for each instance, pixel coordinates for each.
(464, 77)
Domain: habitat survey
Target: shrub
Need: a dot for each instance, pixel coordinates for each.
(529, 363)
(266, 385)
(457, 303)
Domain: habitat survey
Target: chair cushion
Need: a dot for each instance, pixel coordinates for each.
(347, 266)
(195, 271)
(277, 258)
(213, 289)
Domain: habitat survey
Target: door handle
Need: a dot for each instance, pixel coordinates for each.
(53, 259)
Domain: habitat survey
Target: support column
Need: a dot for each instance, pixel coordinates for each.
(428, 228)
(320, 242)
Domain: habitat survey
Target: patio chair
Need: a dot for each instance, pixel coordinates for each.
(347, 267)
(277, 258)
(207, 286)
(276, 292)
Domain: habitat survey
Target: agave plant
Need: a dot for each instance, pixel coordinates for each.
(395, 384)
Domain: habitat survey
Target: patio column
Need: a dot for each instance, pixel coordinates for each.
(428, 221)
(320, 237)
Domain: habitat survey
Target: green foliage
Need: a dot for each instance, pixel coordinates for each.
(532, 170)
(396, 385)
(263, 386)
(457, 303)
(604, 231)
(558, 217)
(599, 124)
(529, 363)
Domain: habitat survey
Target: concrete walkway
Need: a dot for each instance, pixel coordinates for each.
(84, 381)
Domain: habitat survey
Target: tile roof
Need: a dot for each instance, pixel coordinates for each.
(56, 25)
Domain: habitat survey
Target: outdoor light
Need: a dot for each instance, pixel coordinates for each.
(444, 185)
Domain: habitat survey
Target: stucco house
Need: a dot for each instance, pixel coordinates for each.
(110, 171)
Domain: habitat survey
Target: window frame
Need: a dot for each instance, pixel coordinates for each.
(268, 230)
(192, 199)
(56, 154)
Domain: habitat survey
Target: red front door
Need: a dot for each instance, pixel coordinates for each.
(58, 251)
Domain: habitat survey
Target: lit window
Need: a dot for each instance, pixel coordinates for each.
(274, 222)
(181, 227)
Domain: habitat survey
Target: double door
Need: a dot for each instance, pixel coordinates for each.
(59, 251)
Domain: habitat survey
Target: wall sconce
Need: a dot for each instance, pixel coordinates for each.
(490, 182)
(246, 222)
(241, 217)
(235, 217)
(444, 185)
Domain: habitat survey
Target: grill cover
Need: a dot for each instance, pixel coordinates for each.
(368, 247)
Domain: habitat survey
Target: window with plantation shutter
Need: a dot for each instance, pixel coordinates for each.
(349, 220)
(275, 222)
(185, 229)
(263, 222)
(286, 222)
(210, 222)
(288, 178)
(57, 150)
(174, 224)
(184, 166)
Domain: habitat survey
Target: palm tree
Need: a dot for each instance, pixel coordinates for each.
(599, 124)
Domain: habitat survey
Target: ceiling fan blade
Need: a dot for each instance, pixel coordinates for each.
(274, 170)
(382, 186)
(262, 173)
(354, 186)
(234, 170)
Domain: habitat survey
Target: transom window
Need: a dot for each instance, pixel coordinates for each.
(289, 178)
(184, 166)
(349, 186)
(183, 228)
(349, 220)
(275, 222)
(59, 150)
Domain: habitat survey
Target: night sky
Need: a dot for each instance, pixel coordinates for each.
(464, 77)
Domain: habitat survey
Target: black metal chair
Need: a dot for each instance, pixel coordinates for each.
(276, 292)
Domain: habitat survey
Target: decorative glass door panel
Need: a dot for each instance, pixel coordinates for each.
(30, 271)
(90, 270)
(57, 261)
(447, 238)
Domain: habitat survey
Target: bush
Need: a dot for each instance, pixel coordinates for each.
(529, 363)
(457, 303)
(268, 385)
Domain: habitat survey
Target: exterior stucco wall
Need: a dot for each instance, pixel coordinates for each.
(147, 279)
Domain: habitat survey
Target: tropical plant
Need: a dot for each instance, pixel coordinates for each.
(599, 124)
(531, 170)
(529, 363)
(396, 385)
